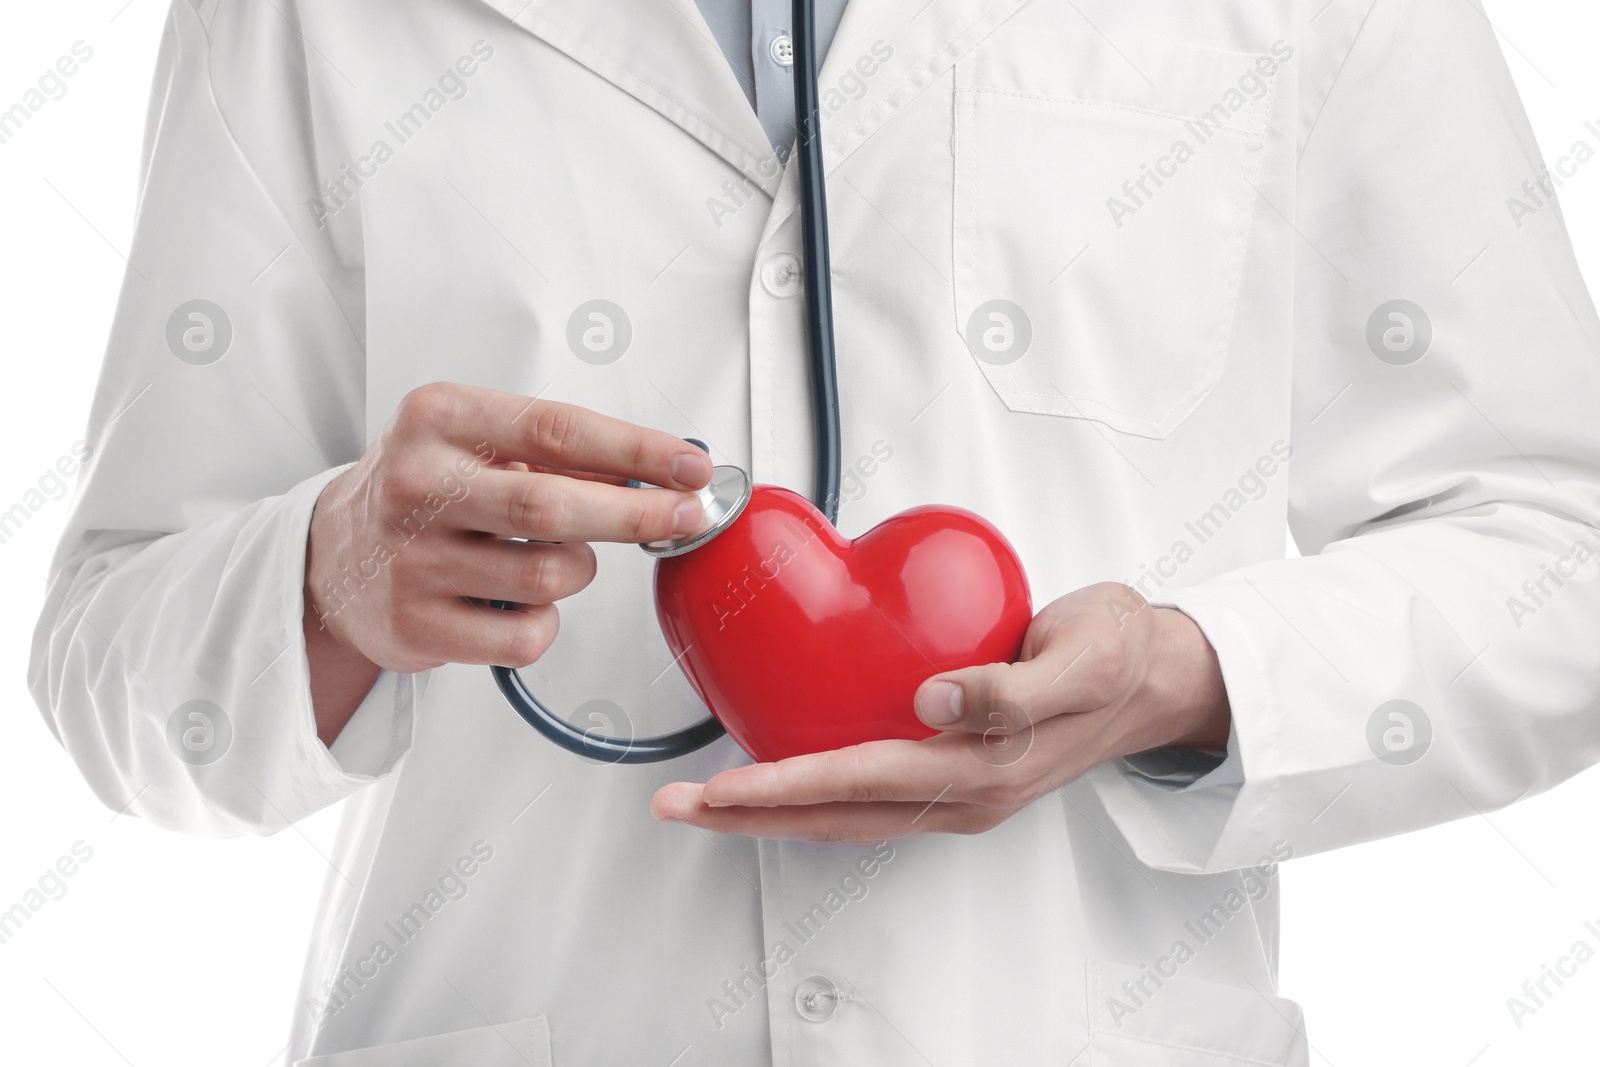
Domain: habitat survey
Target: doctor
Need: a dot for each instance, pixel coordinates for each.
(1135, 281)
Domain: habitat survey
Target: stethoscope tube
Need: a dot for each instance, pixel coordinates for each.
(824, 405)
(818, 276)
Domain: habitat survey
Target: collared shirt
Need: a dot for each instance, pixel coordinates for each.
(754, 35)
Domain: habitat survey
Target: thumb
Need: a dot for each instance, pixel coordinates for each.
(997, 697)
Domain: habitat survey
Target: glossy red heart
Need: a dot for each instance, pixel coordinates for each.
(800, 640)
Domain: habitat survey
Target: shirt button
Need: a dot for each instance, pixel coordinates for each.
(782, 275)
(816, 999)
(783, 50)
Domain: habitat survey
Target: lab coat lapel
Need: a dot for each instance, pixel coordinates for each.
(923, 39)
(662, 53)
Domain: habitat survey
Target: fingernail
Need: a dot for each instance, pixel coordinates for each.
(664, 809)
(940, 704)
(691, 468)
(688, 517)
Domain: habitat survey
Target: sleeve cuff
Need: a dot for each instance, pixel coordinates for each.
(379, 732)
(1173, 810)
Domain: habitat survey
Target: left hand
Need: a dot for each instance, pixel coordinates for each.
(1102, 675)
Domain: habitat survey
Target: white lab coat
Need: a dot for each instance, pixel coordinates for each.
(500, 902)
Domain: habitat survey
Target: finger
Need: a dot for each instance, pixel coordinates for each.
(822, 823)
(940, 768)
(551, 507)
(1013, 697)
(504, 426)
(461, 631)
(492, 568)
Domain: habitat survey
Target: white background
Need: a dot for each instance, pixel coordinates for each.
(173, 951)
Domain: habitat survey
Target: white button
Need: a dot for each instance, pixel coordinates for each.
(781, 274)
(783, 50)
(816, 999)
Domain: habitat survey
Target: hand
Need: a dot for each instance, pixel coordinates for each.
(1102, 675)
(409, 546)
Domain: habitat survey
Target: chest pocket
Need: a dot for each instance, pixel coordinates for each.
(1103, 205)
(1188, 1022)
(523, 1043)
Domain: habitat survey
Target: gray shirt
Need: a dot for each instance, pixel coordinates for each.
(754, 35)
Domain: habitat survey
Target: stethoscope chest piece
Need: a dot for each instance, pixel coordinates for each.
(723, 500)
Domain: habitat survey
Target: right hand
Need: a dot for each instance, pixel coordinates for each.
(409, 546)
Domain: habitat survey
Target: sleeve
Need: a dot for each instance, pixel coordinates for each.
(169, 658)
(1432, 654)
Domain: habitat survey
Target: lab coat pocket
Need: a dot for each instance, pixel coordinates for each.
(1103, 206)
(1188, 1022)
(524, 1043)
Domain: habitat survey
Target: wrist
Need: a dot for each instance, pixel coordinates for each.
(340, 679)
(1184, 687)
(340, 674)
(328, 589)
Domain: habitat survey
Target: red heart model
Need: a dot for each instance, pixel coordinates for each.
(800, 640)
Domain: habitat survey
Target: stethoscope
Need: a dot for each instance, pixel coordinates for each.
(730, 487)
